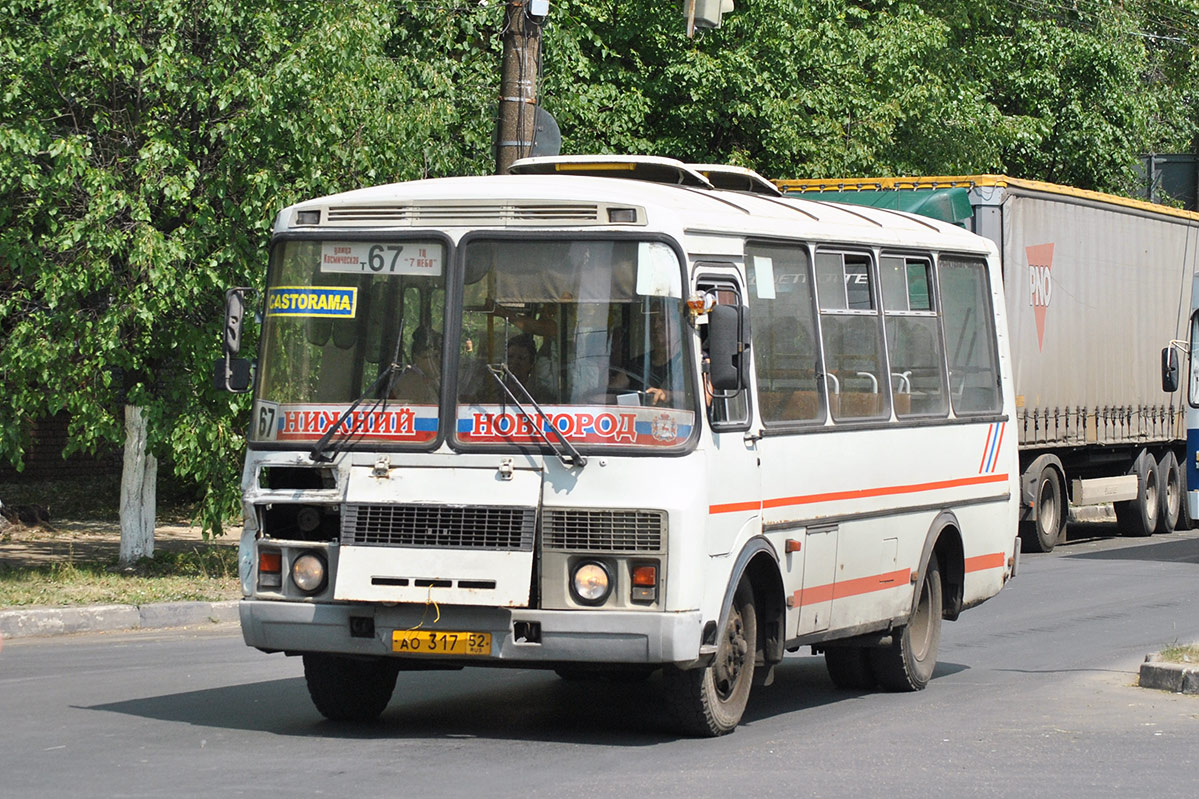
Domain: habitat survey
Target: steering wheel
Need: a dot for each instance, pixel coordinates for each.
(633, 377)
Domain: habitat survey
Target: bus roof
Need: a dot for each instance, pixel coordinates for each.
(567, 200)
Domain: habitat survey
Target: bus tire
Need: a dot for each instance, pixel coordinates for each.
(1169, 493)
(349, 689)
(710, 701)
(1138, 517)
(908, 663)
(849, 668)
(1042, 533)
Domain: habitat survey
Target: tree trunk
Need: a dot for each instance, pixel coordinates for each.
(139, 478)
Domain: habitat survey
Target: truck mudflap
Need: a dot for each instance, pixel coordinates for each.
(527, 637)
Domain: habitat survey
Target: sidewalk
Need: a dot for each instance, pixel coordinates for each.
(31, 622)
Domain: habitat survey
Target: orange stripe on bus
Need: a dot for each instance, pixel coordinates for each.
(881, 582)
(855, 587)
(861, 493)
(733, 507)
(996, 560)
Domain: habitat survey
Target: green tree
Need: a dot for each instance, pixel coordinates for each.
(144, 148)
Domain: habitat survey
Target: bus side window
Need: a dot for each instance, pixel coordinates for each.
(784, 350)
(851, 331)
(913, 337)
(969, 335)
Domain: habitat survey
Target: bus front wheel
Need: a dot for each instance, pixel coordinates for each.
(710, 701)
(349, 689)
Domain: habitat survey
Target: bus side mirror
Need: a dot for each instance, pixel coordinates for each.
(229, 373)
(235, 311)
(1169, 370)
(728, 348)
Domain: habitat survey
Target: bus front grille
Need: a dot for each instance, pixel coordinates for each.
(594, 530)
(440, 526)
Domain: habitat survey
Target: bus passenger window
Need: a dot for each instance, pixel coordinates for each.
(969, 336)
(784, 323)
(851, 331)
(913, 338)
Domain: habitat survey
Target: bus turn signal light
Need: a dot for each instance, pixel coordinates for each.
(645, 583)
(270, 569)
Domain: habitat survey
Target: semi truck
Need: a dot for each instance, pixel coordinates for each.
(1096, 287)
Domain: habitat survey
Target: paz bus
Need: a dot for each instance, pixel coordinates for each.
(618, 417)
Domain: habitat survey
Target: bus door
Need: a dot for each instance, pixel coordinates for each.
(732, 473)
(793, 409)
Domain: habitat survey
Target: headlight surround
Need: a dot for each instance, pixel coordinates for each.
(591, 582)
(309, 572)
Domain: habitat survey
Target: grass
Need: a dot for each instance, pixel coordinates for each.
(1181, 654)
(84, 535)
(206, 573)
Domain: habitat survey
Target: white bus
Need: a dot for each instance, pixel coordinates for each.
(617, 416)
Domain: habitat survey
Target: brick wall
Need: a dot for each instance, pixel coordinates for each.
(43, 460)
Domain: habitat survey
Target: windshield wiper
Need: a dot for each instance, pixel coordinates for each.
(572, 457)
(318, 449)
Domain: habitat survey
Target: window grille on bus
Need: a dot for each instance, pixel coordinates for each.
(472, 213)
(448, 526)
(604, 530)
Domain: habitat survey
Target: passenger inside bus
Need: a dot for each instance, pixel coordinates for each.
(521, 360)
(420, 382)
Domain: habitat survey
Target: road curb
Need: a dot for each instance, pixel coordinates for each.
(1179, 678)
(40, 622)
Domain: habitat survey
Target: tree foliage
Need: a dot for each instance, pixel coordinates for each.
(145, 146)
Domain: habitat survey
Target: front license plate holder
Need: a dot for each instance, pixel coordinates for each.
(440, 642)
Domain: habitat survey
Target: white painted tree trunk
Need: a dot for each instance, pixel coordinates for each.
(139, 478)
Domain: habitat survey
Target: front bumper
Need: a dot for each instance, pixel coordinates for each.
(564, 636)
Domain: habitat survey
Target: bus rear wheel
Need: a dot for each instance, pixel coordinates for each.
(710, 701)
(349, 689)
(908, 663)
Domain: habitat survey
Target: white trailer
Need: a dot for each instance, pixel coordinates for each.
(1096, 286)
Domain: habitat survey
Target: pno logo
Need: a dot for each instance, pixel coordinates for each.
(1040, 285)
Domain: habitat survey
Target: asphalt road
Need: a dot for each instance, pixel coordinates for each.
(1034, 696)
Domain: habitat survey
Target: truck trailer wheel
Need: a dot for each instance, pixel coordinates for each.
(1041, 534)
(349, 689)
(1169, 492)
(1185, 522)
(1138, 517)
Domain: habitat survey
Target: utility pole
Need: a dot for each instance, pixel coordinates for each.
(518, 80)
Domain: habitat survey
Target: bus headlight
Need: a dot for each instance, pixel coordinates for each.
(308, 572)
(591, 583)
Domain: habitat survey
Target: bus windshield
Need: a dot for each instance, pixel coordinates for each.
(351, 320)
(586, 336)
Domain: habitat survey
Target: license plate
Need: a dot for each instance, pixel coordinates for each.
(439, 642)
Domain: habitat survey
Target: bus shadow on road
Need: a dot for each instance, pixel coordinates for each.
(488, 704)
